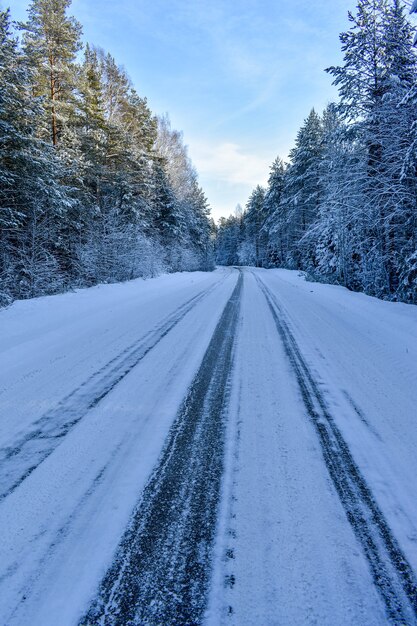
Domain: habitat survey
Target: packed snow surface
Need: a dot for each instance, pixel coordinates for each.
(316, 440)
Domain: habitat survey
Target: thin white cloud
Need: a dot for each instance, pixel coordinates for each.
(229, 163)
(228, 172)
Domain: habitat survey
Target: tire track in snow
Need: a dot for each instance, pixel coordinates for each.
(19, 460)
(161, 571)
(392, 574)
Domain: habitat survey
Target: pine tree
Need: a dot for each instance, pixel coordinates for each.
(401, 148)
(32, 203)
(52, 40)
(85, 193)
(188, 224)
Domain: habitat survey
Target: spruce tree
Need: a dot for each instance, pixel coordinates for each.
(274, 227)
(254, 249)
(303, 187)
(378, 71)
(230, 241)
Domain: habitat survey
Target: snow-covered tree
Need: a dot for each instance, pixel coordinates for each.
(379, 70)
(32, 204)
(85, 194)
(274, 227)
(52, 40)
(303, 188)
(345, 207)
(253, 248)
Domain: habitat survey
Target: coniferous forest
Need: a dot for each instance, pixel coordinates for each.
(344, 209)
(93, 187)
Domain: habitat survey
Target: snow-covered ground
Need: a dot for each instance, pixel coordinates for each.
(91, 383)
(284, 538)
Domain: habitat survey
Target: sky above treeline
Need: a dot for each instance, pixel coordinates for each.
(237, 77)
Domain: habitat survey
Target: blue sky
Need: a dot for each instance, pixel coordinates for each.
(237, 76)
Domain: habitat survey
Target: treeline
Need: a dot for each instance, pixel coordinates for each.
(344, 209)
(93, 187)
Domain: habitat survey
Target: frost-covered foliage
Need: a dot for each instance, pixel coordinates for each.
(344, 209)
(93, 188)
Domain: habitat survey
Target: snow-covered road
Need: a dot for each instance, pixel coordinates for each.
(230, 448)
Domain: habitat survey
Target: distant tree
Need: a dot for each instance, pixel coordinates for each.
(228, 241)
(274, 227)
(253, 249)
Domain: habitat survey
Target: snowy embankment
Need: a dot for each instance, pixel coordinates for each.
(308, 391)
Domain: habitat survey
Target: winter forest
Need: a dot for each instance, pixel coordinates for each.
(93, 187)
(344, 209)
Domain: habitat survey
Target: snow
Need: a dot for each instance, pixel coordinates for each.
(295, 560)
(50, 345)
(365, 350)
(73, 509)
(284, 546)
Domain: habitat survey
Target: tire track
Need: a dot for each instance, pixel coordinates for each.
(20, 459)
(161, 571)
(392, 574)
